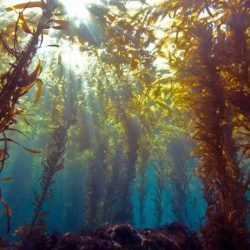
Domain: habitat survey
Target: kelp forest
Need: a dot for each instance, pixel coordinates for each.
(124, 124)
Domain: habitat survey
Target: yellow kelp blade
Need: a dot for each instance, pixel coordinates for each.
(6, 179)
(39, 84)
(24, 24)
(25, 89)
(30, 150)
(21, 6)
(62, 24)
(37, 71)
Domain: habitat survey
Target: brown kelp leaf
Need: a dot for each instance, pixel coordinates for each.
(246, 153)
(25, 89)
(24, 24)
(37, 70)
(8, 210)
(5, 179)
(54, 45)
(32, 151)
(39, 84)
(18, 111)
(45, 32)
(37, 4)
(26, 120)
(2, 153)
(63, 25)
(18, 131)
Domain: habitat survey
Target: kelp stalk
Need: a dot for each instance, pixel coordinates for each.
(16, 79)
(180, 179)
(52, 165)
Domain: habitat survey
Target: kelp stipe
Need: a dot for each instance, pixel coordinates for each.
(96, 178)
(132, 145)
(94, 201)
(180, 178)
(219, 169)
(111, 206)
(162, 181)
(17, 81)
(141, 165)
(61, 120)
(213, 72)
(129, 137)
(100, 180)
(7, 211)
(51, 165)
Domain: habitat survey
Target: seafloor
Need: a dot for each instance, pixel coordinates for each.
(118, 237)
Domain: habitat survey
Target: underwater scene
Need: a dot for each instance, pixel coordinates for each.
(125, 124)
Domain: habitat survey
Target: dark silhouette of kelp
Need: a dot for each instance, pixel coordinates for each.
(209, 56)
(142, 163)
(162, 178)
(180, 178)
(224, 188)
(51, 165)
(17, 81)
(213, 70)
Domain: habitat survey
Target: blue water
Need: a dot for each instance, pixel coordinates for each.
(67, 206)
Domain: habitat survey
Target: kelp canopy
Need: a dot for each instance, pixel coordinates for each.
(116, 94)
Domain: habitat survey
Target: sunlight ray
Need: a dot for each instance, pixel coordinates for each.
(79, 10)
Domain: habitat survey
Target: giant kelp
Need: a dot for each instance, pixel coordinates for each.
(180, 177)
(52, 164)
(210, 78)
(203, 90)
(16, 81)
